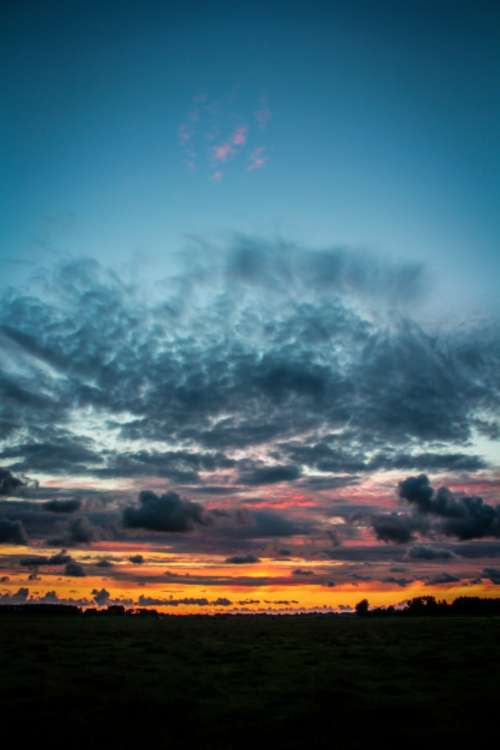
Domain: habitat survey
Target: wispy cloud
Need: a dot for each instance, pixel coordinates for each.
(208, 136)
(239, 137)
(258, 158)
(222, 152)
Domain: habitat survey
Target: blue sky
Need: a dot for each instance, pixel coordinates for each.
(382, 134)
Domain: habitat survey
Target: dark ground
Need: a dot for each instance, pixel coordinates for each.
(246, 682)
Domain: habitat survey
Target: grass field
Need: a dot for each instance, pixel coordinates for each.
(246, 682)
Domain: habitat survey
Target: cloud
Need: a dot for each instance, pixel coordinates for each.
(167, 512)
(270, 474)
(428, 552)
(268, 523)
(211, 122)
(394, 527)
(61, 558)
(436, 513)
(242, 559)
(9, 484)
(12, 532)
(441, 578)
(493, 574)
(150, 601)
(62, 506)
(258, 158)
(252, 363)
(239, 136)
(466, 517)
(222, 152)
(417, 490)
(74, 569)
(56, 453)
(136, 559)
(80, 531)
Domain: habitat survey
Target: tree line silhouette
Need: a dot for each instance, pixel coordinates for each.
(420, 606)
(429, 606)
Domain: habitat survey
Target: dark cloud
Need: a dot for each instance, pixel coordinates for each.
(74, 569)
(269, 523)
(59, 455)
(242, 559)
(417, 490)
(493, 574)
(167, 512)
(80, 531)
(475, 550)
(136, 559)
(9, 484)
(313, 352)
(182, 467)
(302, 573)
(428, 552)
(62, 506)
(61, 558)
(270, 474)
(150, 601)
(441, 578)
(465, 517)
(372, 553)
(322, 482)
(330, 457)
(429, 461)
(394, 527)
(12, 532)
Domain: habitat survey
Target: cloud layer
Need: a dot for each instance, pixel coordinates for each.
(258, 391)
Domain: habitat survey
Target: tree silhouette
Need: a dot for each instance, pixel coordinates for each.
(362, 608)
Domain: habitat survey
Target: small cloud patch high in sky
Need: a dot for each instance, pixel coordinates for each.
(208, 141)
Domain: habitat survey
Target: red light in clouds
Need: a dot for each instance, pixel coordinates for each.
(282, 504)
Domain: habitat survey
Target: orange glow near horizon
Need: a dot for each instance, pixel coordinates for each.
(269, 585)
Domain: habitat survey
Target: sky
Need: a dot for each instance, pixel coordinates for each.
(249, 306)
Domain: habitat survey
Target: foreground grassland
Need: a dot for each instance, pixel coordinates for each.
(246, 682)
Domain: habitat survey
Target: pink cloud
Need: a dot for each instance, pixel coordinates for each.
(257, 158)
(222, 152)
(239, 136)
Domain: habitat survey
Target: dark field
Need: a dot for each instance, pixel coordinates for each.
(245, 682)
